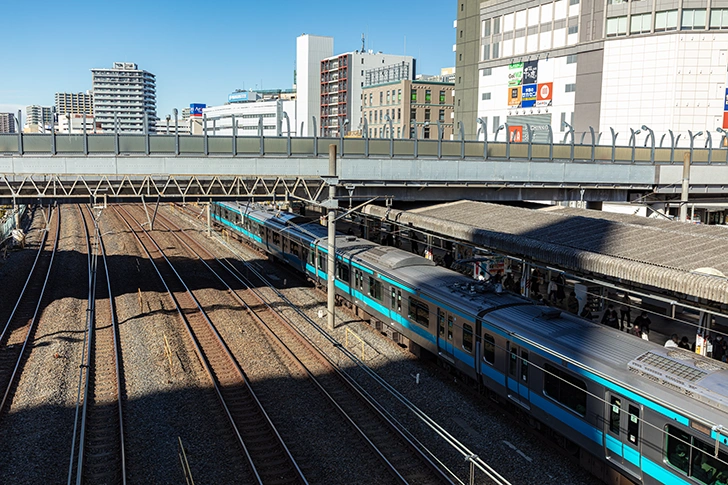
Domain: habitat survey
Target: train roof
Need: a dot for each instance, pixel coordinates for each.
(682, 378)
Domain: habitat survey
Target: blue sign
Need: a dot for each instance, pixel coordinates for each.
(528, 95)
(238, 97)
(196, 109)
(725, 102)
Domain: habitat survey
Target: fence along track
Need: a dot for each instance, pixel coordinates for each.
(18, 330)
(101, 457)
(402, 457)
(268, 457)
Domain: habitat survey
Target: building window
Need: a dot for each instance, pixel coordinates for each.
(488, 71)
(399, 114)
(616, 26)
(693, 19)
(486, 52)
(375, 116)
(571, 59)
(573, 2)
(719, 18)
(496, 25)
(413, 114)
(426, 133)
(496, 50)
(427, 115)
(442, 97)
(387, 97)
(399, 132)
(399, 95)
(413, 95)
(428, 96)
(371, 98)
(486, 96)
(381, 98)
(640, 24)
(571, 88)
(441, 116)
(573, 29)
(486, 28)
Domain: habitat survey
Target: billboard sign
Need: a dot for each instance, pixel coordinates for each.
(196, 109)
(530, 72)
(514, 97)
(238, 97)
(528, 95)
(515, 74)
(544, 93)
(515, 134)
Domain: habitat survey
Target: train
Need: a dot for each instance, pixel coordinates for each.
(631, 410)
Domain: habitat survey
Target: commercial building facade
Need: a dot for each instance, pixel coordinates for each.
(411, 105)
(592, 63)
(310, 51)
(75, 103)
(246, 118)
(342, 80)
(124, 94)
(7, 123)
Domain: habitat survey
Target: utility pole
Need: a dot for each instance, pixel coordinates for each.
(332, 205)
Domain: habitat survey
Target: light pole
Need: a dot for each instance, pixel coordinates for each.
(650, 136)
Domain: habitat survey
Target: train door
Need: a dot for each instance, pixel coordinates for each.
(518, 375)
(445, 328)
(622, 436)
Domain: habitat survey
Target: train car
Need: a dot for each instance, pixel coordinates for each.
(634, 411)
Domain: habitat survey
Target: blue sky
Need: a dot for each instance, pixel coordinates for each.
(201, 51)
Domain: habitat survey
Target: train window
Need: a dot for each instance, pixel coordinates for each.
(565, 389)
(488, 348)
(321, 262)
(342, 271)
(294, 249)
(633, 427)
(394, 298)
(468, 338)
(441, 322)
(450, 324)
(614, 415)
(375, 289)
(304, 255)
(513, 364)
(419, 312)
(524, 365)
(695, 458)
(399, 300)
(276, 238)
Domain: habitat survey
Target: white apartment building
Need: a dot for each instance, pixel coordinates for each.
(246, 118)
(38, 118)
(124, 93)
(75, 123)
(310, 51)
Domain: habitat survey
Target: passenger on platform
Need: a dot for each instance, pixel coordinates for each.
(625, 312)
(572, 303)
(415, 246)
(587, 313)
(448, 259)
(509, 282)
(672, 342)
(390, 239)
(684, 343)
(718, 348)
(560, 289)
(350, 231)
(636, 331)
(551, 290)
(644, 322)
(610, 318)
(536, 281)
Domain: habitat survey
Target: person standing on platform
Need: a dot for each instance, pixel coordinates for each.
(572, 303)
(551, 290)
(718, 348)
(644, 322)
(625, 312)
(672, 343)
(610, 318)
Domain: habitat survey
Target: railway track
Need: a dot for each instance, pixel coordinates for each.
(18, 331)
(267, 456)
(99, 426)
(404, 458)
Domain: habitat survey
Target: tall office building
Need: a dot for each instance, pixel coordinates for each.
(310, 50)
(40, 116)
(590, 63)
(342, 80)
(75, 103)
(126, 93)
(7, 123)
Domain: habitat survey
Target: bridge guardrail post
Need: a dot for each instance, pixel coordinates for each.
(508, 141)
(288, 133)
(462, 140)
(709, 146)
(614, 143)
(20, 132)
(260, 133)
(484, 129)
(315, 136)
(53, 130)
(342, 130)
(530, 142)
(206, 148)
(365, 128)
(439, 139)
(633, 142)
(551, 142)
(391, 136)
(176, 131)
(235, 135)
(416, 139)
(593, 143)
(723, 139)
(117, 149)
(85, 136)
(147, 148)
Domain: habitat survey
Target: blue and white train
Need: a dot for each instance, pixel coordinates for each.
(633, 410)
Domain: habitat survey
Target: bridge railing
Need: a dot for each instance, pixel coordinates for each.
(159, 145)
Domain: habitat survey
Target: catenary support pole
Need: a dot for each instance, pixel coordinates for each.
(209, 221)
(685, 188)
(331, 260)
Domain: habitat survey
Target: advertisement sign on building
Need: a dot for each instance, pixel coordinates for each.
(515, 133)
(515, 74)
(196, 109)
(530, 72)
(514, 97)
(528, 96)
(238, 97)
(725, 110)
(543, 94)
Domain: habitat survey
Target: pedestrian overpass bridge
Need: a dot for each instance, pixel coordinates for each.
(132, 166)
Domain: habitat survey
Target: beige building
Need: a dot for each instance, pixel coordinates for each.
(409, 104)
(75, 103)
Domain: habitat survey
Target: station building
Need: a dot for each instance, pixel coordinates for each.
(607, 64)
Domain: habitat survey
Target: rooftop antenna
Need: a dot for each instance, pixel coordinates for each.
(363, 44)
